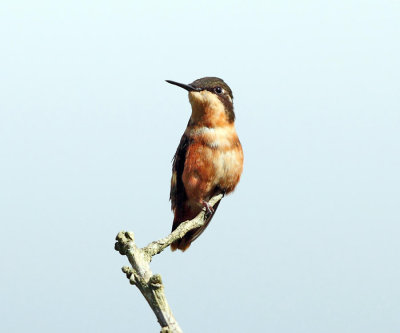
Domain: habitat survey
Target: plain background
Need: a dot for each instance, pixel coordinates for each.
(309, 242)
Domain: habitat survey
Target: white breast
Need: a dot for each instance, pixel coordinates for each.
(228, 166)
(215, 137)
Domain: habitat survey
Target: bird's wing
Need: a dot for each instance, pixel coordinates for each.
(177, 193)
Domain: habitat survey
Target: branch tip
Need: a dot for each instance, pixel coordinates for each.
(130, 235)
(132, 279)
(128, 272)
(156, 281)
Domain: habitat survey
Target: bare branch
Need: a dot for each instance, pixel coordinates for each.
(139, 274)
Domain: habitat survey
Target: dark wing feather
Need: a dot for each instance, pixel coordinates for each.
(177, 193)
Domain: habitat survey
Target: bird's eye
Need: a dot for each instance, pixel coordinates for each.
(218, 90)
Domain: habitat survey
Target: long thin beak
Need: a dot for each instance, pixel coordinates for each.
(188, 87)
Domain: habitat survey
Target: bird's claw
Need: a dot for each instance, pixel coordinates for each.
(208, 207)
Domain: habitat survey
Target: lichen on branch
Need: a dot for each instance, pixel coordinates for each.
(140, 274)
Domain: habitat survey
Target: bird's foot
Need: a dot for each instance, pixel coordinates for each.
(208, 207)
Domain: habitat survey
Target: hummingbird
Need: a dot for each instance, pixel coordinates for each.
(209, 157)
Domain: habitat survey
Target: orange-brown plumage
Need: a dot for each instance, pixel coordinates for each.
(209, 158)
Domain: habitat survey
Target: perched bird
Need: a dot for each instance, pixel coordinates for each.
(209, 158)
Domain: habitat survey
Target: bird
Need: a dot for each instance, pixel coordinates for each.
(209, 157)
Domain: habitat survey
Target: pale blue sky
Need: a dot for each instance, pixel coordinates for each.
(88, 128)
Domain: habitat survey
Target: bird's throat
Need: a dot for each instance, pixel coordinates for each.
(207, 110)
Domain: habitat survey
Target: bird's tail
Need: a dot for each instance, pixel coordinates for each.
(184, 243)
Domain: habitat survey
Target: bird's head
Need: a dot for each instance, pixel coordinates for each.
(211, 100)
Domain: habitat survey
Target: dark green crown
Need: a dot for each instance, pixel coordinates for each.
(209, 83)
